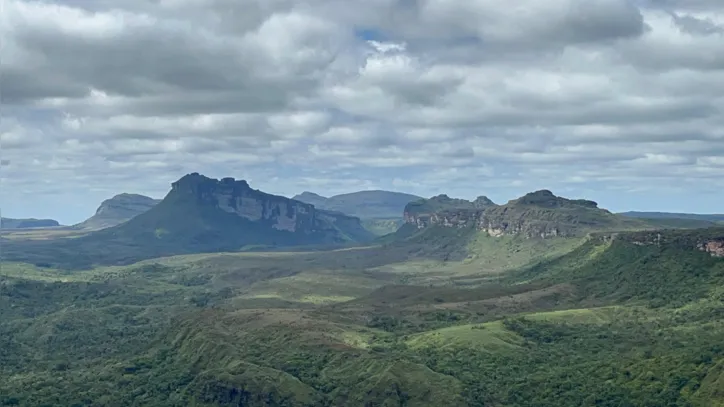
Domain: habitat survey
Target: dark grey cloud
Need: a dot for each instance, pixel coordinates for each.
(697, 26)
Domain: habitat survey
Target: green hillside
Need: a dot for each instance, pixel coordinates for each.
(659, 267)
(426, 317)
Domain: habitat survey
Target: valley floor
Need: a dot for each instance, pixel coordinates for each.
(565, 322)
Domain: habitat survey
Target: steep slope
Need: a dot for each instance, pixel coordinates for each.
(10, 223)
(362, 204)
(668, 267)
(117, 210)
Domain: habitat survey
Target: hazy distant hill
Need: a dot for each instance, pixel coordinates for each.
(117, 210)
(10, 223)
(363, 204)
(673, 215)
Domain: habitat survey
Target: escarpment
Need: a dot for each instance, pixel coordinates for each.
(539, 214)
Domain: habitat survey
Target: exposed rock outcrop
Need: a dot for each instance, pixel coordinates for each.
(713, 247)
(275, 212)
(538, 214)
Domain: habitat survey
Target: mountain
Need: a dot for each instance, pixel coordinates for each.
(539, 214)
(117, 210)
(200, 214)
(10, 223)
(205, 214)
(362, 204)
(443, 203)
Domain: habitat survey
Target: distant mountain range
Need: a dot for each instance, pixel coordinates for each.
(10, 223)
(380, 211)
(362, 204)
(202, 214)
(673, 215)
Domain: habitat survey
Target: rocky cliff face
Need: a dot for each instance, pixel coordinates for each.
(445, 211)
(713, 247)
(238, 198)
(539, 214)
(277, 212)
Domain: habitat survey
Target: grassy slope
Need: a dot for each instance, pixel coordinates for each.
(382, 226)
(643, 324)
(660, 346)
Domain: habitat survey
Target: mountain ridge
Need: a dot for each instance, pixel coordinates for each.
(535, 214)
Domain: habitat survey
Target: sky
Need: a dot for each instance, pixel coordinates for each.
(617, 101)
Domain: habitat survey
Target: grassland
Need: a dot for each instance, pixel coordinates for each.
(41, 233)
(498, 322)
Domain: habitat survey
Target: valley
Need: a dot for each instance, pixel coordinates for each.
(541, 301)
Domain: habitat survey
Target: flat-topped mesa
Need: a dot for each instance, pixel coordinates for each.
(546, 199)
(539, 214)
(445, 211)
(30, 223)
(237, 197)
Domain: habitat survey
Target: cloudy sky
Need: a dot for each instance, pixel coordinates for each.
(614, 100)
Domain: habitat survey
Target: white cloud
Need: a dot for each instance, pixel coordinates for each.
(614, 99)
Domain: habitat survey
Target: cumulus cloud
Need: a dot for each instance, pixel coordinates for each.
(615, 100)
